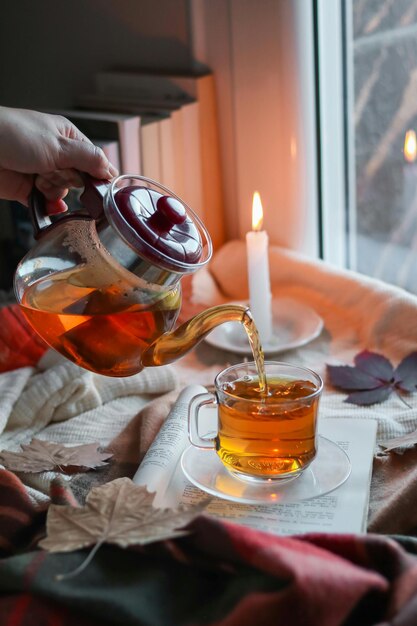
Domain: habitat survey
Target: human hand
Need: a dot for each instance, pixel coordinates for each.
(45, 150)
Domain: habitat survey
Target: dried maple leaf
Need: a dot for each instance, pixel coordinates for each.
(374, 378)
(405, 441)
(40, 456)
(118, 512)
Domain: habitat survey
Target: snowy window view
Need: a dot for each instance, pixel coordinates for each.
(381, 84)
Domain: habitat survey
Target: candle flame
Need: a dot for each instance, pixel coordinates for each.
(410, 146)
(257, 212)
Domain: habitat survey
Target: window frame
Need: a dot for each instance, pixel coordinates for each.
(334, 72)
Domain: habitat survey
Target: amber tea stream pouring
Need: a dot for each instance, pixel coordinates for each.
(102, 283)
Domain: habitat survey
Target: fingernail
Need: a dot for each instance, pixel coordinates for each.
(113, 170)
(54, 207)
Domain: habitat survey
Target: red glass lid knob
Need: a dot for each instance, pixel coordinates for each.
(170, 211)
(162, 222)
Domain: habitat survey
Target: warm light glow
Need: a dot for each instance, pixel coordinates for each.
(293, 147)
(257, 212)
(410, 146)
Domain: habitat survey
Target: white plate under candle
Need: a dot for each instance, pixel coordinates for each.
(294, 325)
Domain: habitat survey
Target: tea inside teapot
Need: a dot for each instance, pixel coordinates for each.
(97, 314)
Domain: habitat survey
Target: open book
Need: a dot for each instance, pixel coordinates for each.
(343, 510)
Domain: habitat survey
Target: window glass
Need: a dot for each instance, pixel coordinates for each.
(381, 124)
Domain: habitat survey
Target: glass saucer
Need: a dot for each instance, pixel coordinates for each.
(294, 325)
(329, 470)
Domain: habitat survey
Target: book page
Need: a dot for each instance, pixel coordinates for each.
(343, 510)
(161, 460)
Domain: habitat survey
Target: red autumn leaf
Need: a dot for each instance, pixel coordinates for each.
(373, 378)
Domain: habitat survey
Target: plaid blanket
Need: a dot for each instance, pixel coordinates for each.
(221, 574)
(19, 345)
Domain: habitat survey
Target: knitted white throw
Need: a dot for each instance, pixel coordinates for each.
(60, 402)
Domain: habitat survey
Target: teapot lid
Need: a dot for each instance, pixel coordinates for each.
(157, 224)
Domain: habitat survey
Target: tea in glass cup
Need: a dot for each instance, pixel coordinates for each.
(262, 434)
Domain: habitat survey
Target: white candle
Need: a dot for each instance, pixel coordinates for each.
(258, 273)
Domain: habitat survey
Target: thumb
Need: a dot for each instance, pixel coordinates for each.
(85, 157)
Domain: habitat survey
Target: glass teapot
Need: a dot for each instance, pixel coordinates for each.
(102, 283)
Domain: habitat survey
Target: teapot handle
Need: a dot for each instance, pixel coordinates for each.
(92, 199)
(37, 211)
(93, 195)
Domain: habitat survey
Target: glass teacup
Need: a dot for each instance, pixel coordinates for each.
(262, 437)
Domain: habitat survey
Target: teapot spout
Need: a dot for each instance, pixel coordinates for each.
(174, 344)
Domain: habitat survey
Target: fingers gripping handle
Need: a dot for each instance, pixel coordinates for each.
(196, 403)
(91, 198)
